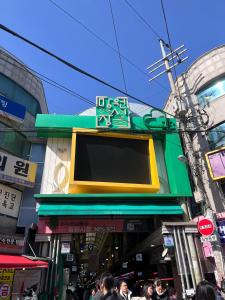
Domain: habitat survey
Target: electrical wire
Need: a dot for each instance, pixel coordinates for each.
(118, 47)
(132, 131)
(143, 20)
(104, 42)
(170, 46)
(50, 81)
(74, 67)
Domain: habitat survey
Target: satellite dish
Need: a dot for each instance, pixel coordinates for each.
(165, 251)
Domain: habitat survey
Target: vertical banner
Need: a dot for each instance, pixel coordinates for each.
(6, 280)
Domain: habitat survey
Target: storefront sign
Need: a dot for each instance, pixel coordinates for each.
(69, 257)
(65, 248)
(11, 243)
(25, 281)
(168, 241)
(139, 257)
(6, 280)
(9, 201)
(221, 231)
(11, 109)
(71, 225)
(210, 238)
(206, 227)
(137, 225)
(112, 112)
(16, 170)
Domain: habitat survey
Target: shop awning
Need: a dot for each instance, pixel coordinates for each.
(20, 262)
(47, 209)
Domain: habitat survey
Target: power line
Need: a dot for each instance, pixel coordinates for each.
(50, 81)
(143, 20)
(170, 45)
(103, 41)
(68, 130)
(117, 42)
(75, 68)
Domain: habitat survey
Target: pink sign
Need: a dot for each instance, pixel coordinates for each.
(217, 163)
(220, 216)
(70, 225)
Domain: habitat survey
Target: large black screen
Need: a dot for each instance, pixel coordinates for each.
(110, 159)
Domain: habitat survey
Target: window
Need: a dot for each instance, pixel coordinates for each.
(216, 136)
(222, 184)
(14, 142)
(14, 92)
(212, 92)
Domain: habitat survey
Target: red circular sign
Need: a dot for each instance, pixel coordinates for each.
(206, 227)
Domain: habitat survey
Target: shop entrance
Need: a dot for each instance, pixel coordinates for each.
(82, 249)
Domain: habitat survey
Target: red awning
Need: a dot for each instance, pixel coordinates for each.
(19, 262)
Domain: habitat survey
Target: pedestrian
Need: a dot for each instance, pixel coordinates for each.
(107, 287)
(205, 291)
(148, 291)
(161, 291)
(172, 293)
(125, 293)
(92, 295)
(98, 294)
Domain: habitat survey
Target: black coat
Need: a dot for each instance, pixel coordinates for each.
(111, 296)
(164, 296)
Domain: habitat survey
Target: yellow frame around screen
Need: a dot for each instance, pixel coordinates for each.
(209, 165)
(79, 187)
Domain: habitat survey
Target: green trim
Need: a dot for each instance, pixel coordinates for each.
(100, 209)
(102, 197)
(60, 126)
(177, 171)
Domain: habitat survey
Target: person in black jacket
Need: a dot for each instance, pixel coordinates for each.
(107, 287)
(161, 291)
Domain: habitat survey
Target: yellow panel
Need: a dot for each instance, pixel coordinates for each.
(78, 187)
(209, 165)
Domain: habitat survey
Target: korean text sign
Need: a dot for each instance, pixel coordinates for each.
(17, 170)
(6, 280)
(11, 109)
(9, 201)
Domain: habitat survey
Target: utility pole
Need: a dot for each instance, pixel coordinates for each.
(165, 62)
(174, 56)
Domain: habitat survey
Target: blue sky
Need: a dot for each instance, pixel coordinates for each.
(197, 24)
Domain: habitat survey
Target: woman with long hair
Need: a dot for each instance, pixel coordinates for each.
(205, 291)
(107, 287)
(148, 291)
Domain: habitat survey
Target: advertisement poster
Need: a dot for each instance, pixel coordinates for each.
(26, 281)
(6, 280)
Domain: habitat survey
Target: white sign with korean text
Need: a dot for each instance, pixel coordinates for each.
(9, 201)
(17, 170)
(210, 238)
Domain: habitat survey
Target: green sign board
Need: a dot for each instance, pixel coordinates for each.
(112, 113)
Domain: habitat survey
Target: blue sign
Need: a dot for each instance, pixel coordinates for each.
(221, 230)
(12, 109)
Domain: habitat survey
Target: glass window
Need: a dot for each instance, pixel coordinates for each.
(14, 92)
(222, 183)
(210, 93)
(216, 136)
(14, 142)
